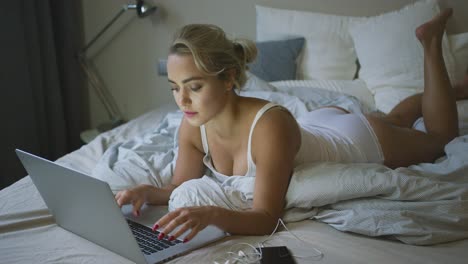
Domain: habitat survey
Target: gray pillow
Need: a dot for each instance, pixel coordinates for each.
(276, 60)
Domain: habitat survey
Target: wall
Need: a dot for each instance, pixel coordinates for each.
(126, 56)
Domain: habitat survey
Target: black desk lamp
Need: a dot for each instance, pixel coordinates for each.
(115, 115)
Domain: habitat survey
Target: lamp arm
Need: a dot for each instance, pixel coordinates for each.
(95, 81)
(103, 94)
(122, 10)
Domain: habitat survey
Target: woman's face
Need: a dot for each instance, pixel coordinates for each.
(199, 96)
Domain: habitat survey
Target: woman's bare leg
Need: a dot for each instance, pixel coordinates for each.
(403, 146)
(439, 107)
(405, 113)
(461, 88)
(437, 103)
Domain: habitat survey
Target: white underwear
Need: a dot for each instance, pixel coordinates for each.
(330, 134)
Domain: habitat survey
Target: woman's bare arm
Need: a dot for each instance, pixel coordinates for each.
(189, 165)
(275, 142)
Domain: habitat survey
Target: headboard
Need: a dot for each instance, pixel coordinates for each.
(458, 23)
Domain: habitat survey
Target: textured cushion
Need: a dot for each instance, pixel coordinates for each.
(391, 56)
(256, 84)
(328, 52)
(276, 60)
(459, 46)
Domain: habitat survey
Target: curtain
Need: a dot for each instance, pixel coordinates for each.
(43, 90)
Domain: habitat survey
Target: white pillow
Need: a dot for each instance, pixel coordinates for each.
(254, 83)
(391, 56)
(328, 52)
(356, 88)
(459, 45)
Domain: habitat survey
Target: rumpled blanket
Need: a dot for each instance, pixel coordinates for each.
(150, 158)
(422, 204)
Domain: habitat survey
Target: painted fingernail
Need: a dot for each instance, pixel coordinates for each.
(137, 213)
(185, 240)
(171, 238)
(156, 226)
(161, 236)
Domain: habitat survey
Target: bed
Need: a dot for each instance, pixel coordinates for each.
(359, 213)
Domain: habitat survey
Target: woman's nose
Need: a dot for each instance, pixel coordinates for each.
(184, 97)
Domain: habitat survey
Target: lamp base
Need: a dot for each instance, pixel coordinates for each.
(90, 134)
(103, 127)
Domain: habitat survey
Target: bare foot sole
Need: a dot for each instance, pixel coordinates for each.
(434, 28)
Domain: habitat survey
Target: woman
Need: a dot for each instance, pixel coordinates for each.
(234, 135)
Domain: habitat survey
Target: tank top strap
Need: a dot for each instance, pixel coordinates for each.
(203, 138)
(259, 114)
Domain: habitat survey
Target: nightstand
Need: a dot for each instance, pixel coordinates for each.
(88, 135)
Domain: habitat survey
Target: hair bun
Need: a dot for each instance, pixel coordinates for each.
(214, 53)
(245, 49)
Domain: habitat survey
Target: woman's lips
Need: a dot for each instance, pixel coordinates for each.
(189, 114)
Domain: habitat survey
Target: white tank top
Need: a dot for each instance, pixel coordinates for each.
(251, 168)
(318, 142)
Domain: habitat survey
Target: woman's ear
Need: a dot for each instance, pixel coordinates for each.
(230, 79)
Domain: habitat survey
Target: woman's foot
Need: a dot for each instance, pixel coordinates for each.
(433, 30)
(461, 89)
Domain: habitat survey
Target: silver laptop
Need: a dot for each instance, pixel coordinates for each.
(86, 206)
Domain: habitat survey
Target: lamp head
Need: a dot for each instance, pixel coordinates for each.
(144, 9)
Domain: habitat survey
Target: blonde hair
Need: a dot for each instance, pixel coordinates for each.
(215, 54)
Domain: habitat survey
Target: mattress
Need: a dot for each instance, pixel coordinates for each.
(29, 234)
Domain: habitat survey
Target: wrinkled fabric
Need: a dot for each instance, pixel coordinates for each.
(423, 204)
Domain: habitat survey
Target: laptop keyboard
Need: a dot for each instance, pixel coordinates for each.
(148, 240)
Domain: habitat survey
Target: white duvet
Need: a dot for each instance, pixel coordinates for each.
(423, 204)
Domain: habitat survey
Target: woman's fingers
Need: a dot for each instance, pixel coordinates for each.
(179, 222)
(184, 228)
(121, 198)
(179, 225)
(165, 222)
(126, 197)
(136, 196)
(137, 204)
(117, 196)
(192, 234)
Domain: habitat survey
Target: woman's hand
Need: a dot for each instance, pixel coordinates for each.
(194, 218)
(136, 196)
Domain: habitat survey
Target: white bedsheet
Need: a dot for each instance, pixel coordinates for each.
(400, 203)
(149, 158)
(28, 234)
(421, 205)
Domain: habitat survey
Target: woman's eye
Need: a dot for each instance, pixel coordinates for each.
(195, 88)
(174, 89)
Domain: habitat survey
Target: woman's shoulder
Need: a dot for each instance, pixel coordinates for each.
(253, 102)
(269, 116)
(189, 134)
(276, 130)
(277, 117)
